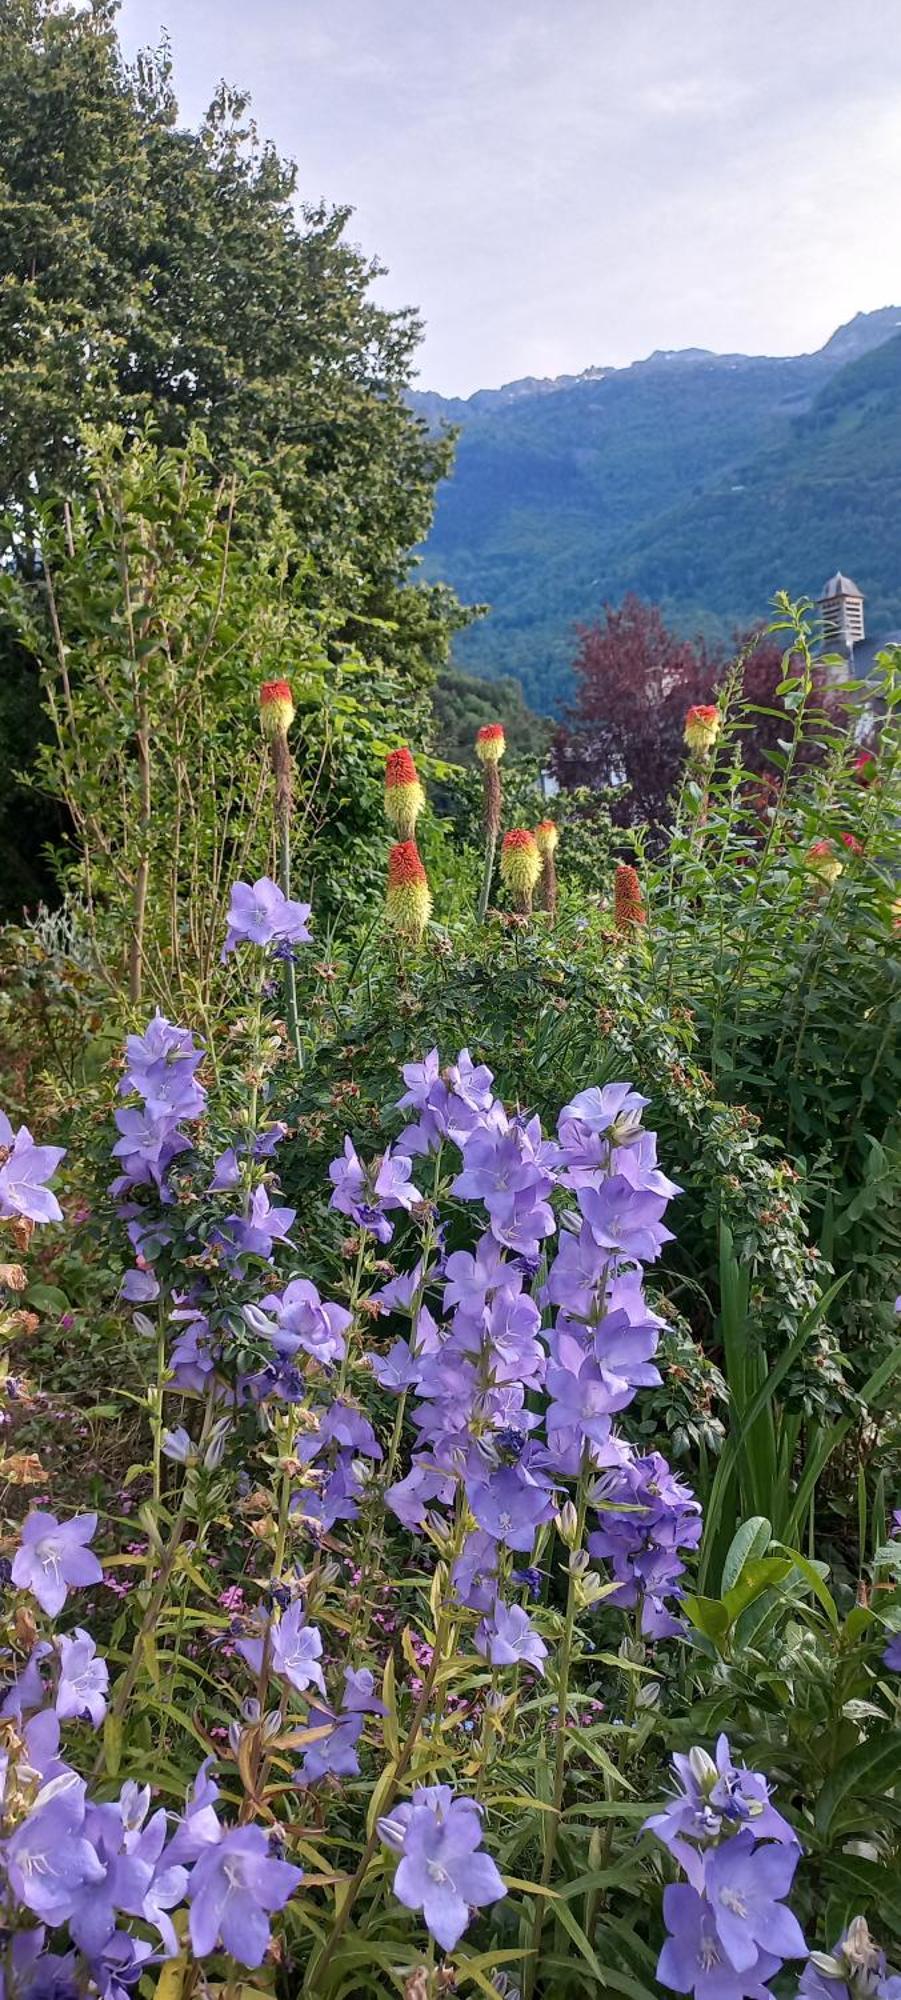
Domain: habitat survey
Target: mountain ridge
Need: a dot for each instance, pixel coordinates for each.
(854, 337)
(565, 496)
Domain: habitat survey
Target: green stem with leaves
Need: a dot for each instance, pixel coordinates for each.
(564, 1664)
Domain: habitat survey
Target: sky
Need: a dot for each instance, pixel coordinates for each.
(561, 184)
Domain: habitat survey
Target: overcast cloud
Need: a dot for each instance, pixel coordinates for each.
(561, 183)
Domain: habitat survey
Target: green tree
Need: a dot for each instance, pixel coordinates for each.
(155, 272)
(153, 622)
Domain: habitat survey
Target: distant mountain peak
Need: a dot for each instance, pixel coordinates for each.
(865, 331)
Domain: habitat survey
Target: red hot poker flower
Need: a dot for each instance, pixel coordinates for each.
(702, 727)
(276, 709)
(404, 795)
(408, 902)
(490, 743)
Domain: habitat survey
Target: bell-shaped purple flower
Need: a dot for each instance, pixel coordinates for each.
(442, 1870)
(233, 1889)
(24, 1168)
(259, 913)
(53, 1557)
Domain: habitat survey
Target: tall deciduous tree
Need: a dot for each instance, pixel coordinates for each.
(152, 271)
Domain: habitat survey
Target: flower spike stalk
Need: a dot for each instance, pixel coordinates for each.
(490, 745)
(546, 839)
(276, 717)
(628, 903)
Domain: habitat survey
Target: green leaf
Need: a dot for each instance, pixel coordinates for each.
(811, 1573)
(47, 1299)
(707, 1615)
(575, 1931)
(752, 1539)
(756, 1577)
(870, 1762)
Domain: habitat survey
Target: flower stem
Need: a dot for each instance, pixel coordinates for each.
(447, 1626)
(290, 979)
(563, 1671)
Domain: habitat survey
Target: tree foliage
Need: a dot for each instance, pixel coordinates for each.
(153, 621)
(156, 273)
(636, 679)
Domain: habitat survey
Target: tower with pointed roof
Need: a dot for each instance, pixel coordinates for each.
(841, 608)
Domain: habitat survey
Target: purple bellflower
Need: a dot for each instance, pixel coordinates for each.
(24, 1168)
(233, 1888)
(295, 1650)
(693, 1958)
(83, 1678)
(260, 914)
(52, 1557)
(442, 1870)
(508, 1636)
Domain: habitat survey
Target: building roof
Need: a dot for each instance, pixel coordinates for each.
(839, 586)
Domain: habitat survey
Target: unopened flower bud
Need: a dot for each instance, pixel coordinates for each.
(212, 1457)
(393, 1833)
(626, 1128)
(567, 1524)
(702, 1768)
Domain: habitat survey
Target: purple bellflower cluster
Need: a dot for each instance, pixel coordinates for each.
(650, 1515)
(517, 1382)
(729, 1927)
(70, 1862)
(160, 1069)
(519, 1356)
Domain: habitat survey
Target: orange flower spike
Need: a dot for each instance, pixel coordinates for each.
(276, 709)
(408, 902)
(629, 912)
(821, 859)
(702, 727)
(547, 836)
(404, 795)
(520, 866)
(490, 743)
